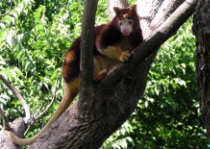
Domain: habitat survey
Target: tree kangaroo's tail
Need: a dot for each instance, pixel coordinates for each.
(70, 92)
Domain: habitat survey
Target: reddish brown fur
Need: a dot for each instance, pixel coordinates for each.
(72, 59)
(105, 35)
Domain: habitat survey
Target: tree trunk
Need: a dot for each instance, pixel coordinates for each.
(107, 111)
(201, 30)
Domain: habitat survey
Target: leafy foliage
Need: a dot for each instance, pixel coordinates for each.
(34, 36)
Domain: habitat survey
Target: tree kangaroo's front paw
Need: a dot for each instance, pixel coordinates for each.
(124, 56)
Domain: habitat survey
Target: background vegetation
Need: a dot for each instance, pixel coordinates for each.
(34, 36)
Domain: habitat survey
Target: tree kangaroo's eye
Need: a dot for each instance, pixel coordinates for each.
(130, 22)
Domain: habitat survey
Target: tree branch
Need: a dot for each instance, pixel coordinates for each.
(157, 15)
(5, 121)
(166, 9)
(53, 99)
(86, 46)
(170, 26)
(18, 95)
(147, 11)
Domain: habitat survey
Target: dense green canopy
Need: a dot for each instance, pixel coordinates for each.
(34, 36)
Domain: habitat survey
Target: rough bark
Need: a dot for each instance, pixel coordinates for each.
(18, 128)
(201, 29)
(86, 47)
(153, 13)
(114, 98)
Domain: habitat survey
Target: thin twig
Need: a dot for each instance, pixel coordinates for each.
(5, 121)
(32, 121)
(18, 95)
(54, 97)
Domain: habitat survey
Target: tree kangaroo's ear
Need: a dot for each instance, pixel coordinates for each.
(133, 7)
(117, 10)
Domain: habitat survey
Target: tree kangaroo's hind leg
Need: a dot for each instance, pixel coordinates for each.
(100, 68)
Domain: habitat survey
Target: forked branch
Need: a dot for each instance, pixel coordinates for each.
(18, 95)
(30, 120)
